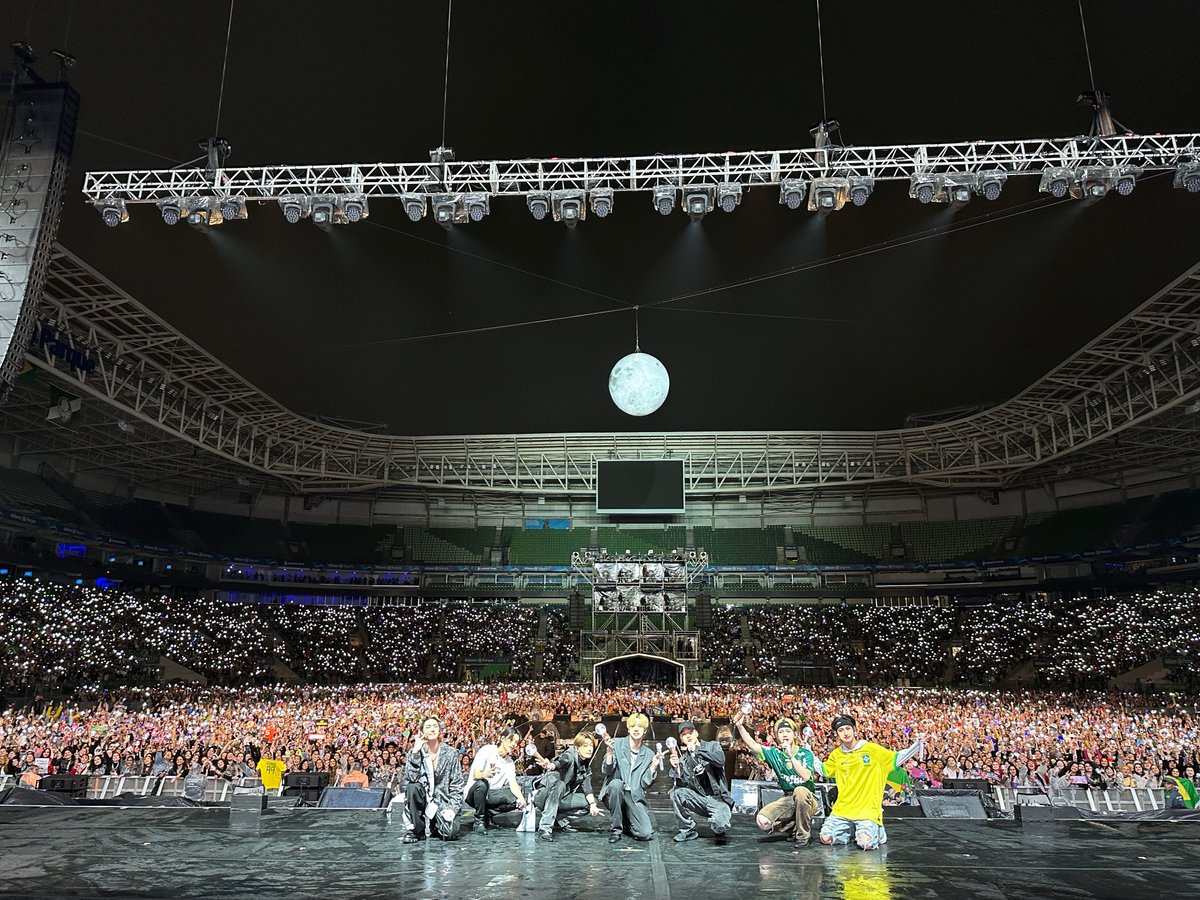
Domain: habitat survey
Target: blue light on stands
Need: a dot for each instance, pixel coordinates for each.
(79, 581)
(3, 571)
(29, 573)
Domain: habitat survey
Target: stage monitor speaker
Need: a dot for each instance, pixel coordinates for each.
(576, 611)
(354, 798)
(703, 612)
(951, 805)
(311, 781)
(968, 784)
(769, 795)
(63, 784)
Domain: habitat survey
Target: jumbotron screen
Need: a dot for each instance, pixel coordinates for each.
(639, 486)
(639, 586)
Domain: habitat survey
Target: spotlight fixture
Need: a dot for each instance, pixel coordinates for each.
(204, 213)
(958, 191)
(539, 205)
(828, 195)
(988, 185)
(322, 212)
(1093, 183)
(697, 202)
(173, 210)
(791, 192)
(860, 190)
(233, 208)
(414, 206)
(1125, 183)
(294, 208)
(924, 187)
(448, 210)
(354, 208)
(1187, 176)
(568, 207)
(729, 196)
(602, 201)
(477, 206)
(664, 199)
(1056, 182)
(112, 211)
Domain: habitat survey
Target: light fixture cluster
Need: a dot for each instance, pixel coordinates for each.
(956, 189)
(1092, 183)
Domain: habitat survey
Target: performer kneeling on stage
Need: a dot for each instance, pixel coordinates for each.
(699, 775)
(860, 770)
(630, 767)
(433, 785)
(794, 767)
(567, 788)
(495, 788)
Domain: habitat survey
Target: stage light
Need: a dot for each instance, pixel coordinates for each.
(448, 210)
(112, 212)
(233, 208)
(568, 207)
(476, 205)
(729, 196)
(414, 206)
(791, 192)
(697, 202)
(294, 208)
(860, 190)
(204, 213)
(988, 185)
(958, 194)
(322, 212)
(1056, 182)
(828, 195)
(1187, 176)
(664, 199)
(355, 209)
(1126, 183)
(539, 205)
(602, 201)
(923, 188)
(172, 210)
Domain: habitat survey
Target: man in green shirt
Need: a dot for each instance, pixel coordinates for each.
(793, 766)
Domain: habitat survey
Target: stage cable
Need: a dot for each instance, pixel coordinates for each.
(1087, 46)
(224, 65)
(446, 79)
(821, 57)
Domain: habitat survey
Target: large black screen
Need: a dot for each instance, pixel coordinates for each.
(639, 486)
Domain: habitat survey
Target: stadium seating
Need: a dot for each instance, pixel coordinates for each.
(740, 546)
(1173, 515)
(546, 547)
(448, 546)
(975, 539)
(641, 540)
(27, 493)
(342, 543)
(1073, 531)
(840, 545)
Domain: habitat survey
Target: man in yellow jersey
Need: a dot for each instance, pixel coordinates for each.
(860, 770)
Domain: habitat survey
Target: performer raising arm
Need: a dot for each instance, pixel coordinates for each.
(793, 766)
(433, 785)
(860, 769)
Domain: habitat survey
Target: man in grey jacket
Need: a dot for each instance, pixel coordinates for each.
(629, 768)
(433, 785)
(698, 771)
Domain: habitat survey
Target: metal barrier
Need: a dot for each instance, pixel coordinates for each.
(1099, 801)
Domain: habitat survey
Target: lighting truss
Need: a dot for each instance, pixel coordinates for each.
(1129, 385)
(662, 175)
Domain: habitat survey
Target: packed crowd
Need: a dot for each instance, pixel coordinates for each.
(75, 635)
(1009, 738)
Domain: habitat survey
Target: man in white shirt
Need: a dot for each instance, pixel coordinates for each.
(494, 786)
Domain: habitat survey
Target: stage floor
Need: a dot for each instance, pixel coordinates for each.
(328, 854)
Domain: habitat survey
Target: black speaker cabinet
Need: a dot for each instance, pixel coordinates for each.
(951, 805)
(354, 798)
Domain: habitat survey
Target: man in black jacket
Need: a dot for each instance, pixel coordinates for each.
(567, 788)
(698, 770)
(433, 785)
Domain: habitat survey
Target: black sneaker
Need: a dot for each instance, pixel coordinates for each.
(720, 839)
(614, 836)
(479, 828)
(565, 826)
(547, 836)
(411, 837)
(686, 834)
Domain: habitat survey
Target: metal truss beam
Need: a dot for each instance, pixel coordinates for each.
(1122, 387)
(521, 177)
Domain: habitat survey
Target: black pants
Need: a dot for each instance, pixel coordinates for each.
(416, 800)
(485, 800)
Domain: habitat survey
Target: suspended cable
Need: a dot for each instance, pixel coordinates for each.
(446, 82)
(1087, 47)
(821, 56)
(221, 94)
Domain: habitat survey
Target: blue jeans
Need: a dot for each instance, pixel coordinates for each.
(867, 834)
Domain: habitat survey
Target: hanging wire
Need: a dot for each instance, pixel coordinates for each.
(221, 95)
(1087, 47)
(446, 82)
(821, 56)
(70, 14)
(637, 335)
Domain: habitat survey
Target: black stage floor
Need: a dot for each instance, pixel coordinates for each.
(310, 853)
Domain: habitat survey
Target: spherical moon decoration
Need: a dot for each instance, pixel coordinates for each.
(638, 384)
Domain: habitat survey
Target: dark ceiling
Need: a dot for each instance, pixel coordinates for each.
(849, 323)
